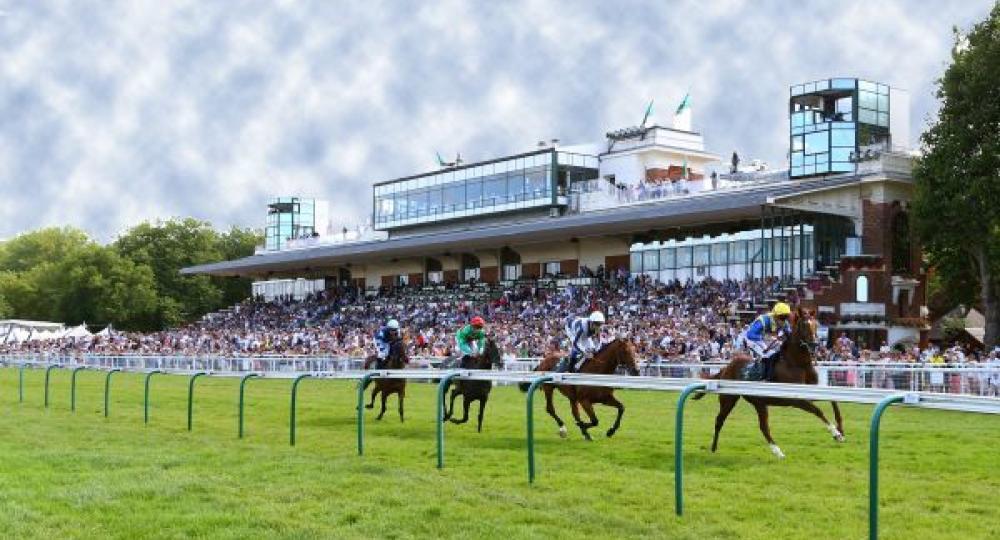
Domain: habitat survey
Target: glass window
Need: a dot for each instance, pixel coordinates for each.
(495, 189)
(842, 137)
(511, 272)
(883, 102)
(842, 166)
(635, 262)
(434, 200)
(552, 268)
(867, 116)
(867, 100)
(402, 280)
(797, 143)
(667, 259)
(841, 154)
(843, 83)
(701, 254)
(515, 186)
(883, 119)
(684, 257)
(720, 253)
(536, 183)
(816, 142)
(796, 159)
(650, 260)
(473, 194)
(739, 251)
(868, 86)
(798, 119)
(861, 289)
(454, 196)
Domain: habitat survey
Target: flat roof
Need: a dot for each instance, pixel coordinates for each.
(701, 208)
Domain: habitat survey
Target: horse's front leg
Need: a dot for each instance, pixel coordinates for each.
(385, 397)
(371, 405)
(612, 401)
(574, 407)
(811, 408)
(839, 419)
(482, 408)
(450, 409)
(465, 411)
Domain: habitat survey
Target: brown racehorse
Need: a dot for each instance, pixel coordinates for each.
(605, 362)
(474, 390)
(395, 360)
(794, 365)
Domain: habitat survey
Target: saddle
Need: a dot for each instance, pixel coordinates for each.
(758, 369)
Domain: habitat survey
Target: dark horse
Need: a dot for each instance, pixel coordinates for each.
(395, 360)
(474, 390)
(794, 365)
(618, 353)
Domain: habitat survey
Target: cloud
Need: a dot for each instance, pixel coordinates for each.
(113, 113)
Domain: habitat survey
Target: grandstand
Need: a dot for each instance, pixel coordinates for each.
(652, 201)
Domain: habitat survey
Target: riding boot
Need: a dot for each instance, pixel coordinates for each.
(769, 362)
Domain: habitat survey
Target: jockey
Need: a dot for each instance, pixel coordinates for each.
(752, 339)
(471, 339)
(584, 337)
(384, 339)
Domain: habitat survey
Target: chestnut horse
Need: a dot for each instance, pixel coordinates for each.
(395, 360)
(605, 362)
(794, 365)
(474, 390)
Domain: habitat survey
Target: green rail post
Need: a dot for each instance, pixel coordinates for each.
(291, 419)
(107, 389)
(145, 401)
(362, 383)
(440, 415)
(48, 370)
(191, 397)
(20, 384)
(873, 440)
(679, 446)
(243, 384)
(531, 423)
(72, 387)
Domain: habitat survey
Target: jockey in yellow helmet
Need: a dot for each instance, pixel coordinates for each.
(774, 323)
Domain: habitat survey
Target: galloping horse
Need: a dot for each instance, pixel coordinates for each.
(605, 362)
(396, 359)
(474, 390)
(794, 365)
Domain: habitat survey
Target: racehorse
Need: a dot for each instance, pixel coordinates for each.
(396, 359)
(794, 365)
(474, 390)
(605, 362)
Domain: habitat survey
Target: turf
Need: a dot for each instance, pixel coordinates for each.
(79, 475)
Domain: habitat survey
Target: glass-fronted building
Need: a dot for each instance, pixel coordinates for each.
(288, 218)
(833, 121)
(532, 180)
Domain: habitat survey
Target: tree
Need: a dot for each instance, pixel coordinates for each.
(236, 244)
(957, 202)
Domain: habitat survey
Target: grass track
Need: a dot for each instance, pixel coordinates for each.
(66, 475)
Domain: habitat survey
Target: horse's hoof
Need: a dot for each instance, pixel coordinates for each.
(562, 432)
(835, 433)
(777, 452)
(611, 433)
(369, 406)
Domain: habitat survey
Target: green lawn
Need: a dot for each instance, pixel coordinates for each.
(79, 475)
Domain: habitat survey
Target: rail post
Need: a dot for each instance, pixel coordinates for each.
(531, 423)
(362, 383)
(72, 387)
(291, 418)
(20, 384)
(145, 400)
(679, 446)
(107, 389)
(440, 416)
(194, 377)
(243, 384)
(48, 370)
(873, 440)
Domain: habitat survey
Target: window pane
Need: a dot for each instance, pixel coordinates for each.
(816, 142)
(842, 137)
(701, 254)
(683, 257)
(651, 260)
(495, 190)
(667, 259)
(454, 196)
(635, 264)
(473, 194)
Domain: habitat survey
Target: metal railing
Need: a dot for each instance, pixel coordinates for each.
(687, 387)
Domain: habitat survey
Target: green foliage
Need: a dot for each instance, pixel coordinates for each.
(957, 204)
(83, 476)
(63, 275)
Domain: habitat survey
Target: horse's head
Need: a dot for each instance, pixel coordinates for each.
(803, 331)
(491, 354)
(397, 355)
(622, 354)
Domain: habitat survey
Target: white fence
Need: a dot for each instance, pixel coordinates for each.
(964, 379)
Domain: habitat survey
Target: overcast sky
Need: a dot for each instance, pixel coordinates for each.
(115, 113)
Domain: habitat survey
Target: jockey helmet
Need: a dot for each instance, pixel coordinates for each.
(393, 324)
(478, 322)
(781, 309)
(596, 317)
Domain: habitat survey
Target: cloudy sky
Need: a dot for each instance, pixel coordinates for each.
(114, 113)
